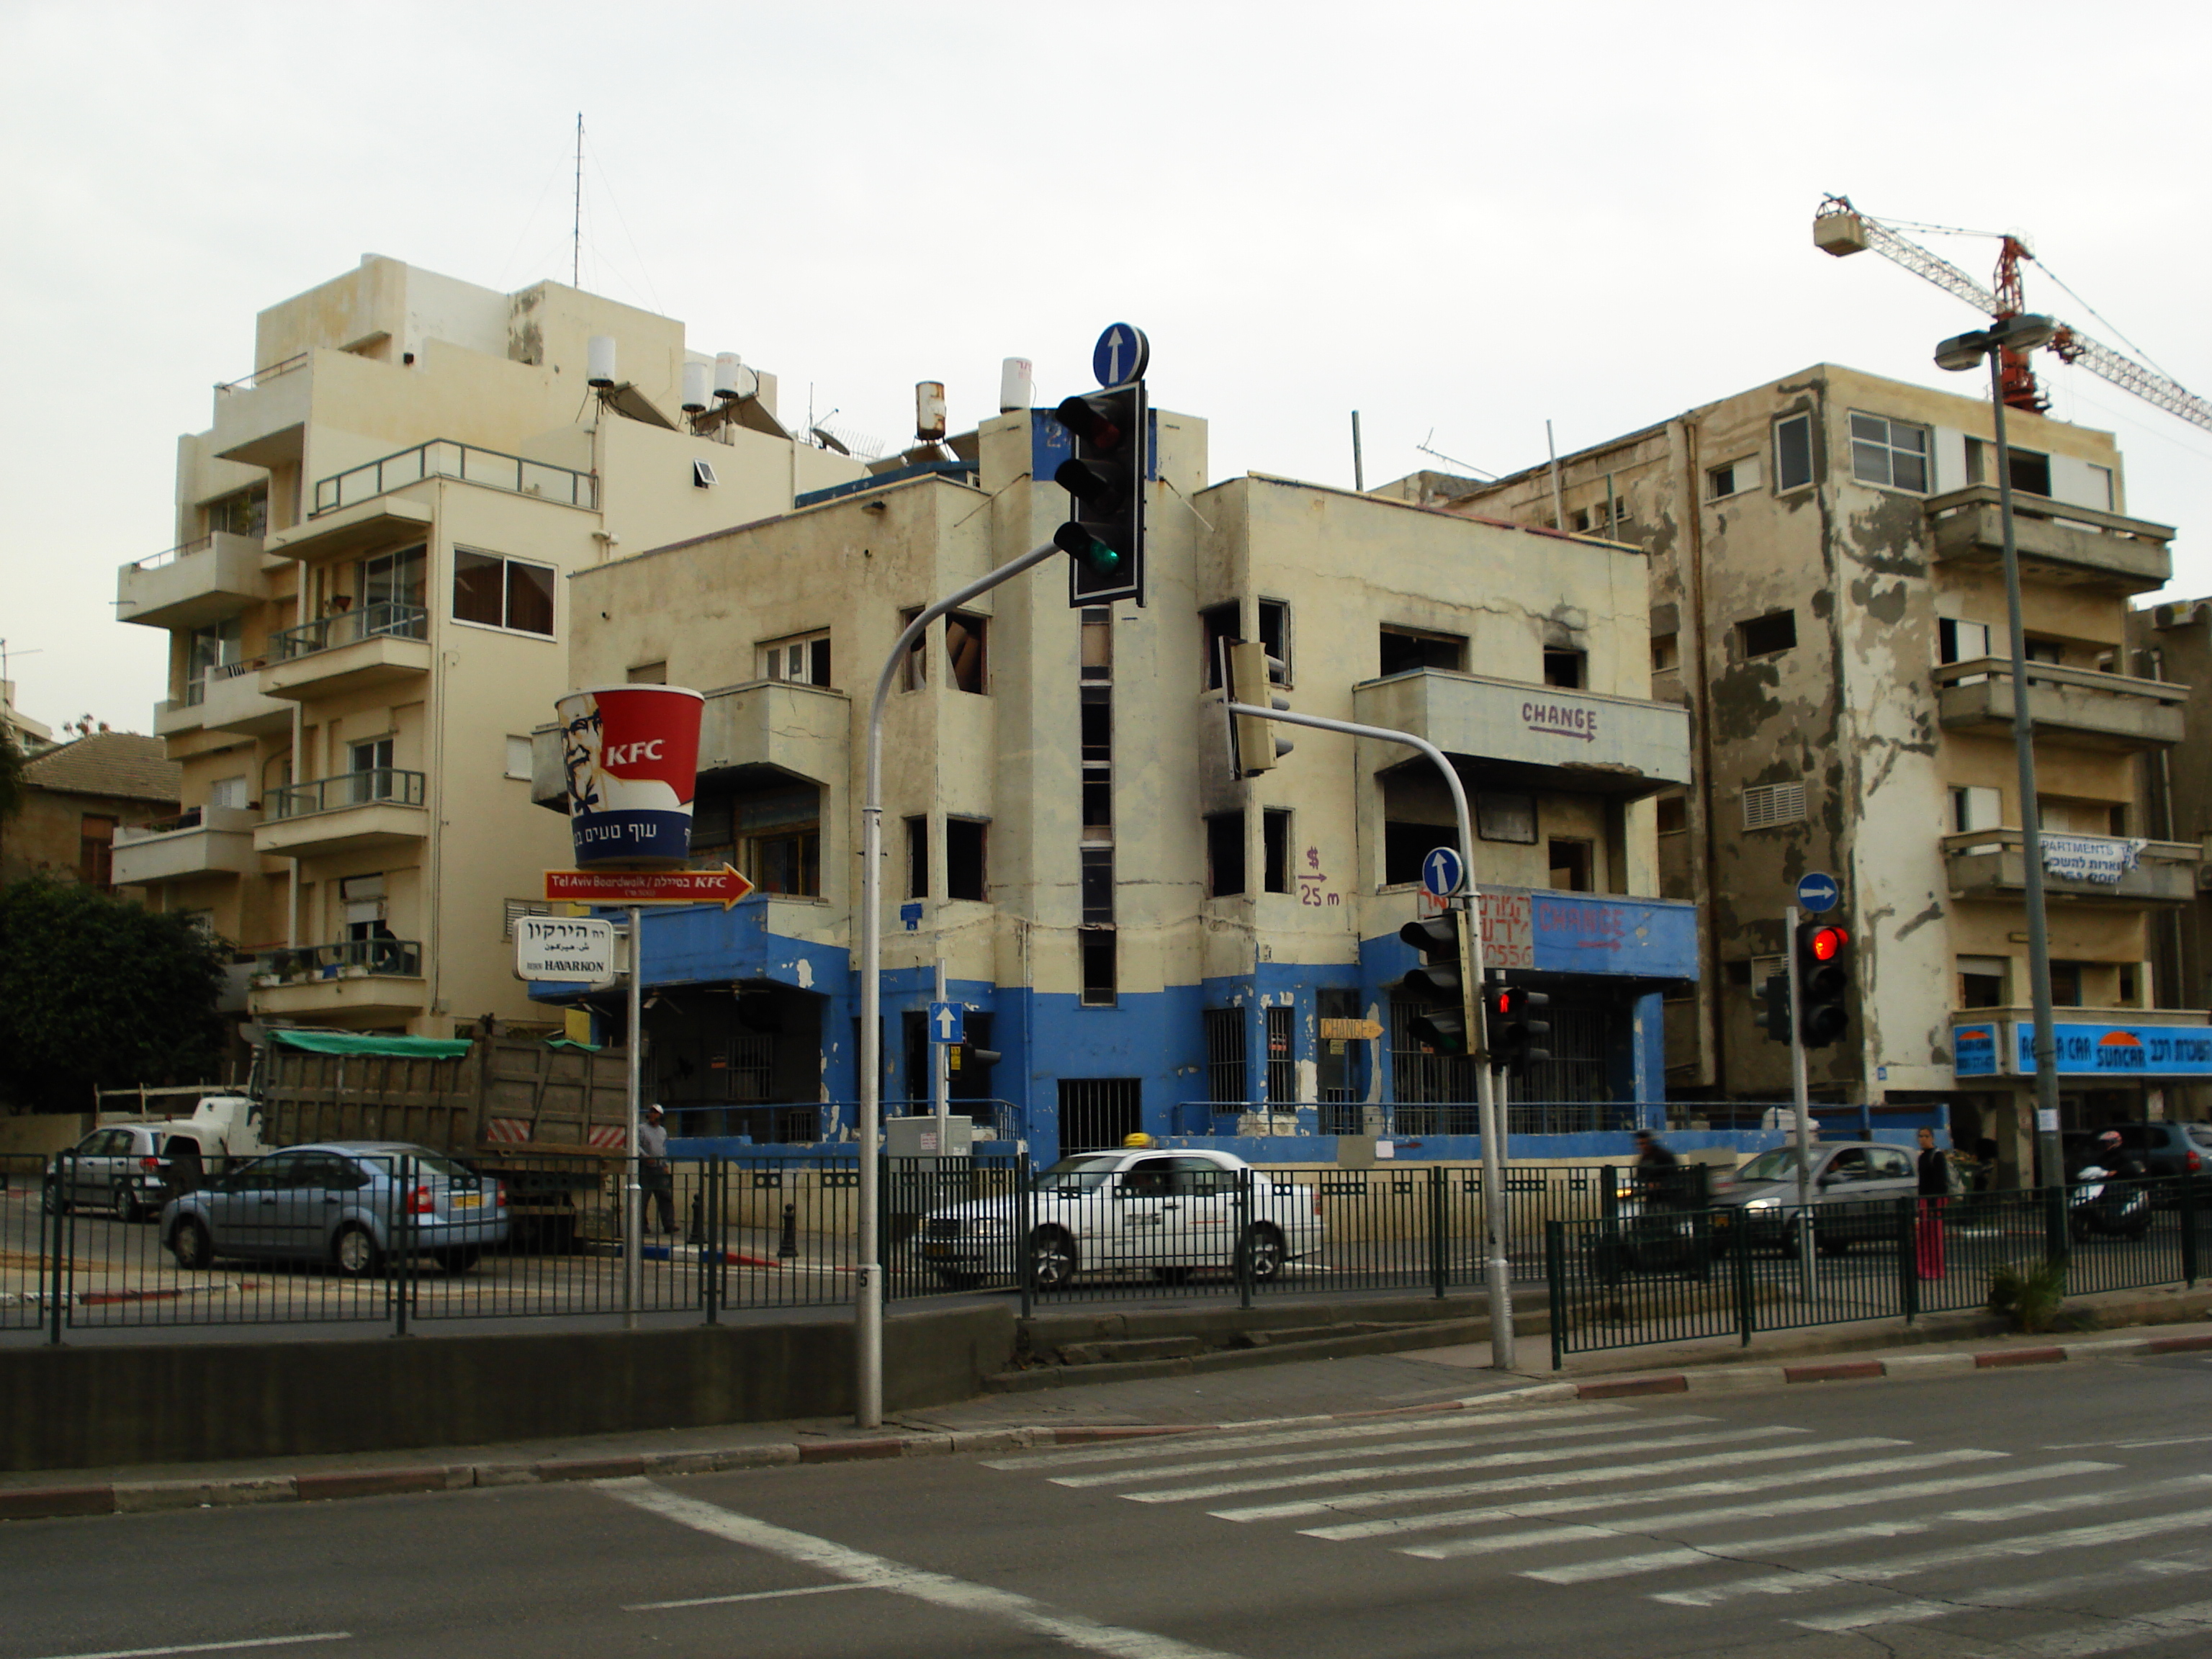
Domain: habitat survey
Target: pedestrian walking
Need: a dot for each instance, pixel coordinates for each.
(1934, 1186)
(1658, 1172)
(653, 1173)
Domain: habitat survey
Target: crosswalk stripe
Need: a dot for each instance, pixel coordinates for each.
(1874, 1572)
(2135, 1631)
(1487, 1460)
(1373, 1500)
(1184, 1445)
(1917, 1462)
(2006, 1596)
(1628, 1566)
(1462, 1438)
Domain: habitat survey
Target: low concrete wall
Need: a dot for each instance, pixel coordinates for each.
(33, 1135)
(97, 1406)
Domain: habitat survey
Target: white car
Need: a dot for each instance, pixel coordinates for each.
(1131, 1209)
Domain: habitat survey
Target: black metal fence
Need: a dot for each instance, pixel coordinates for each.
(1660, 1271)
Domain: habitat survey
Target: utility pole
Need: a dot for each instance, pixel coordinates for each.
(1800, 1099)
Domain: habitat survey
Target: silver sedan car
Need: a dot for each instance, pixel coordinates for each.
(349, 1203)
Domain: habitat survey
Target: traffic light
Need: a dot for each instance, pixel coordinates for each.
(1250, 675)
(1774, 1019)
(1520, 1036)
(1105, 539)
(966, 1060)
(1823, 980)
(1442, 1030)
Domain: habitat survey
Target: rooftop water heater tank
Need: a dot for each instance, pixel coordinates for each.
(1017, 384)
(729, 376)
(601, 360)
(695, 376)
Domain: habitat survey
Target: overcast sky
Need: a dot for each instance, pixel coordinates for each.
(1460, 220)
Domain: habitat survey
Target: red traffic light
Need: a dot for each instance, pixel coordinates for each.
(1826, 944)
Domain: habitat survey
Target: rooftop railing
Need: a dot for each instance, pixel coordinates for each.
(261, 376)
(443, 458)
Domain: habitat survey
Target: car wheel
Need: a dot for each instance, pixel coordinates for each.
(1053, 1258)
(458, 1261)
(1262, 1250)
(127, 1209)
(1793, 1235)
(1832, 1244)
(355, 1253)
(192, 1246)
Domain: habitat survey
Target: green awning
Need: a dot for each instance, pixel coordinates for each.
(351, 1042)
(571, 1043)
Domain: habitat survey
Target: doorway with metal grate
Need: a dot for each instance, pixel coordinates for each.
(1098, 1112)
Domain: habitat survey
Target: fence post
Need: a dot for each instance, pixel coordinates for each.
(1908, 1252)
(1244, 1236)
(2188, 1208)
(1439, 1213)
(1024, 1254)
(399, 1236)
(1555, 1285)
(2054, 1223)
(58, 1291)
(710, 1242)
(1746, 1303)
(1609, 1192)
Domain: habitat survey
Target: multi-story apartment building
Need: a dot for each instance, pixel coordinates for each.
(1149, 942)
(1827, 603)
(368, 608)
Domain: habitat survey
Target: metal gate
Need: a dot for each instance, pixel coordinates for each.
(1097, 1112)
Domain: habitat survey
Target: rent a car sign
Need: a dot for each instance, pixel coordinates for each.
(2088, 1050)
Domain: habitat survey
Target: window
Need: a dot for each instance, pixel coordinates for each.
(1961, 641)
(1731, 480)
(361, 898)
(964, 873)
(648, 673)
(229, 792)
(1765, 805)
(2117, 823)
(917, 858)
(391, 580)
(1218, 622)
(2066, 984)
(1982, 982)
(780, 840)
(1097, 725)
(1275, 635)
(1097, 807)
(1097, 886)
(1404, 649)
(1673, 814)
(1228, 1079)
(503, 592)
(2031, 473)
(1565, 669)
(208, 651)
(2100, 491)
(243, 513)
(1793, 452)
(96, 850)
(1505, 817)
(1665, 652)
(512, 910)
(1889, 453)
(1404, 846)
(517, 757)
(369, 764)
(1100, 973)
(1097, 642)
(1282, 1065)
(964, 651)
(1763, 636)
(1570, 866)
(1224, 859)
(803, 659)
(1275, 847)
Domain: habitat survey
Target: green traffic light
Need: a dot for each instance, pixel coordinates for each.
(1103, 559)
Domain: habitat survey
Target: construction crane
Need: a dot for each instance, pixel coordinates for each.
(1840, 229)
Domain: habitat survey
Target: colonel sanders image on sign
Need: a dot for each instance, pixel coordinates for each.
(631, 753)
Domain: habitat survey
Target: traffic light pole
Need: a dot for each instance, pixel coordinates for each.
(868, 1291)
(1801, 1095)
(1497, 1274)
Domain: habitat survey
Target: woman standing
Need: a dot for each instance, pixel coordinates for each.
(1935, 1173)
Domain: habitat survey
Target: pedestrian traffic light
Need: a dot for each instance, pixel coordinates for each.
(1774, 995)
(1443, 1029)
(1823, 980)
(1105, 539)
(1520, 1036)
(1251, 676)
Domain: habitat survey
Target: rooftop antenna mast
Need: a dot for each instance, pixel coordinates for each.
(576, 235)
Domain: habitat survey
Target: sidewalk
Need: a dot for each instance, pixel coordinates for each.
(1451, 1378)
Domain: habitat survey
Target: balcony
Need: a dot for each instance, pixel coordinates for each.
(355, 981)
(2072, 707)
(207, 840)
(262, 420)
(2075, 545)
(227, 698)
(377, 807)
(1535, 736)
(349, 650)
(189, 586)
(805, 730)
(1992, 864)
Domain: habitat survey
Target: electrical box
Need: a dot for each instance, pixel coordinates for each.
(917, 1137)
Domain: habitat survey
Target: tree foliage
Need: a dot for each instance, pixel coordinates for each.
(11, 776)
(96, 992)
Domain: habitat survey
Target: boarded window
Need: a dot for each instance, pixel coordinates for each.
(1504, 817)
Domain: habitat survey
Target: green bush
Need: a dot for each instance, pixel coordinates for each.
(2030, 1296)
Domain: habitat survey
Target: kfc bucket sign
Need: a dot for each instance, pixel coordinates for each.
(632, 755)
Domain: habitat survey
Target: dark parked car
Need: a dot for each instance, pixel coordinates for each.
(346, 1202)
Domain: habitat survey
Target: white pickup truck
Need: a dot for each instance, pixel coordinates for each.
(134, 1165)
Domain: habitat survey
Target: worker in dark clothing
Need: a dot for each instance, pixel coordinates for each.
(1658, 1172)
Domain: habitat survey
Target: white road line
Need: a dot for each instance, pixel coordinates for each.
(1184, 1445)
(1437, 1466)
(1468, 1435)
(749, 1595)
(2137, 1630)
(1074, 1630)
(2009, 1595)
(1995, 1549)
(1375, 1500)
(215, 1647)
(1582, 1503)
(1627, 1566)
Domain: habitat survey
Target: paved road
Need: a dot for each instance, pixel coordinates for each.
(2029, 1514)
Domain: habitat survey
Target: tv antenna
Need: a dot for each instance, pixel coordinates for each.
(1468, 467)
(576, 234)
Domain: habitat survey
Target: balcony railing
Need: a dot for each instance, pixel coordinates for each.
(1987, 862)
(182, 551)
(196, 689)
(261, 376)
(353, 959)
(378, 785)
(443, 458)
(2069, 705)
(405, 622)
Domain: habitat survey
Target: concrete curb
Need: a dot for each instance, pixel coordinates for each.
(142, 1497)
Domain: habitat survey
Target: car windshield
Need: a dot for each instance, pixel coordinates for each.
(1076, 1174)
(1780, 1165)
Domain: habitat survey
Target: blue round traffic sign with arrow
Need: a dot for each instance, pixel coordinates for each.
(1817, 892)
(1442, 873)
(1122, 354)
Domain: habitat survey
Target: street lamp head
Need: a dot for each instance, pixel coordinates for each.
(1964, 351)
(2018, 334)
